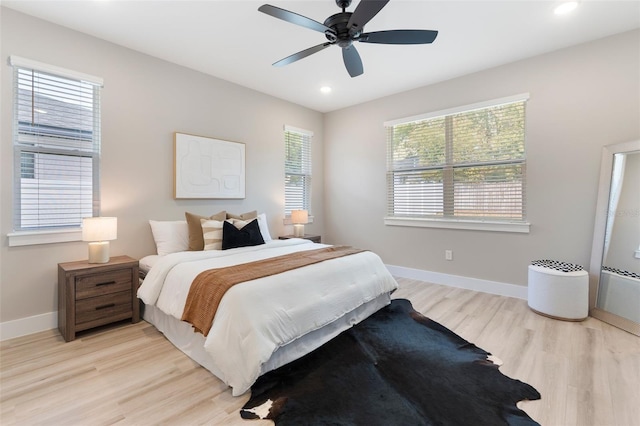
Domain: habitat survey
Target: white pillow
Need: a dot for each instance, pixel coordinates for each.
(264, 228)
(212, 233)
(170, 235)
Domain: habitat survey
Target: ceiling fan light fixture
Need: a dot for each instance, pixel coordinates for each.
(565, 7)
(325, 89)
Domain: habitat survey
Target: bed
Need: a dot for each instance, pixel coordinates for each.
(264, 323)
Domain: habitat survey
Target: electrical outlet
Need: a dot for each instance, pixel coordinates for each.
(448, 254)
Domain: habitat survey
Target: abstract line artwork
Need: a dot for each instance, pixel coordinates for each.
(208, 168)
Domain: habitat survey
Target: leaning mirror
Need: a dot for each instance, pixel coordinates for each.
(614, 291)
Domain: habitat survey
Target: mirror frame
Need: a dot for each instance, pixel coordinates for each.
(597, 248)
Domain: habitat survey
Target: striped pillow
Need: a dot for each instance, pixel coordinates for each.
(212, 233)
(195, 229)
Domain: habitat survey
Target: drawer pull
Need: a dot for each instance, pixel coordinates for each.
(108, 305)
(105, 283)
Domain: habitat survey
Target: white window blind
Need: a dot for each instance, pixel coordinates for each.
(462, 164)
(297, 169)
(56, 135)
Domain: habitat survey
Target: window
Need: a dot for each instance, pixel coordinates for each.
(56, 139)
(461, 165)
(297, 170)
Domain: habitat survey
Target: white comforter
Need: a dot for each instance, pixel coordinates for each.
(257, 317)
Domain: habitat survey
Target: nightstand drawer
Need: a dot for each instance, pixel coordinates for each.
(105, 283)
(108, 308)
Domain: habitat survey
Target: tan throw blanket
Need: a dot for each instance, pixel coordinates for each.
(209, 286)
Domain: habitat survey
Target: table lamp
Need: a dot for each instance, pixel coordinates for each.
(99, 231)
(299, 218)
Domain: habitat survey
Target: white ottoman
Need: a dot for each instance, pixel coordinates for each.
(558, 290)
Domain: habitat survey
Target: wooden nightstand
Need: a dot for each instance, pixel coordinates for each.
(314, 238)
(94, 294)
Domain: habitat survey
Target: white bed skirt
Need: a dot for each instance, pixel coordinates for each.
(181, 335)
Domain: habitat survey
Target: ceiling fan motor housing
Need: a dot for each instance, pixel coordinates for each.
(342, 35)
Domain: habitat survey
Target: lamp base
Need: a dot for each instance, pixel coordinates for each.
(298, 230)
(99, 252)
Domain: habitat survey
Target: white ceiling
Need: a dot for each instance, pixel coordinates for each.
(233, 41)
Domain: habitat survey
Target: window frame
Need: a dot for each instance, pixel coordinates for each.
(454, 222)
(20, 139)
(306, 172)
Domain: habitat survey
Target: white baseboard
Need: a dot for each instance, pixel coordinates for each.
(43, 322)
(29, 325)
(485, 286)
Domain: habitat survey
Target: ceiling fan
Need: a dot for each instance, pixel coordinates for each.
(346, 27)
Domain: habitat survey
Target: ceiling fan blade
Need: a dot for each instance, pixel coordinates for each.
(365, 11)
(399, 37)
(352, 61)
(302, 54)
(293, 18)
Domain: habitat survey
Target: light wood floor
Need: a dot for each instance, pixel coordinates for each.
(588, 372)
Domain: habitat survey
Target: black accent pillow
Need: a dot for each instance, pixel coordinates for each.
(233, 237)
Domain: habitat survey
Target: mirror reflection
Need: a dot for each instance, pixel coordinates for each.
(619, 288)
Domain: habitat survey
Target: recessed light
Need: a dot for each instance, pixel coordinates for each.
(565, 7)
(325, 89)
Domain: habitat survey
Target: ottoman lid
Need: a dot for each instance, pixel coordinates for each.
(558, 266)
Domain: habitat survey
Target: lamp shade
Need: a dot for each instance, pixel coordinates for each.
(299, 216)
(99, 228)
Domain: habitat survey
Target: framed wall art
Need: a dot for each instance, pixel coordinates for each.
(208, 168)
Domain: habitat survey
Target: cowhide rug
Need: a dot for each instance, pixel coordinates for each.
(397, 367)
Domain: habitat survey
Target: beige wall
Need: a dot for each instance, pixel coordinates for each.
(581, 99)
(144, 101)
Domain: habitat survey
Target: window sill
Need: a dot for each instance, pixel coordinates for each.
(28, 238)
(476, 225)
